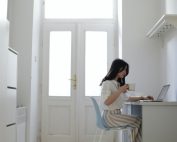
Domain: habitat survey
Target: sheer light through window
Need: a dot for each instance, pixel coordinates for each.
(96, 61)
(78, 9)
(60, 63)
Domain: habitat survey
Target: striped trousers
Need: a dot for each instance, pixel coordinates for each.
(114, 118)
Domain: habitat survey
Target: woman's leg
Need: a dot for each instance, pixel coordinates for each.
(116, 120)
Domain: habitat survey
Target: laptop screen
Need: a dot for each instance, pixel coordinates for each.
(163, 92)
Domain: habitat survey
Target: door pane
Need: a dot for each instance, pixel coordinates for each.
(78, 8)
(60, 63)
(95, 61)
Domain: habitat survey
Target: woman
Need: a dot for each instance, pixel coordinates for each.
(113, 95)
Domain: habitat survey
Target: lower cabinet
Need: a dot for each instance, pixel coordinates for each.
(2, 133)
(8, 133)
(8, 86)
(11, 132)
(10, 106)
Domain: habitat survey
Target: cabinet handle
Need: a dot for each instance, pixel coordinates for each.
(11, 124)
(9, 87)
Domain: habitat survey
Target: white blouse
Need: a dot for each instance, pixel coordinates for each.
(108, 87)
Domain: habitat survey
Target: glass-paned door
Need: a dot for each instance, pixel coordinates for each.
(75, 59)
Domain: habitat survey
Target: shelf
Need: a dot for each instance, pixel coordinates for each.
(166, 23)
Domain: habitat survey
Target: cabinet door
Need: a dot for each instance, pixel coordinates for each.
(3, 57)
(11, 133)
(12, 69)
(11, 106)
(2, 136)
(3, 73)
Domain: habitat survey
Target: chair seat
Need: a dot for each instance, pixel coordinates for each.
(100, 123)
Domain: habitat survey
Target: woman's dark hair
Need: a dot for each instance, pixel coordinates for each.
(117, 66)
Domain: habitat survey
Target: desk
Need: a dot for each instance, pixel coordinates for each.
(159, 120)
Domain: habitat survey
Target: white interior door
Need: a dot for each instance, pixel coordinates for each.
(75, 59)
(96, 56)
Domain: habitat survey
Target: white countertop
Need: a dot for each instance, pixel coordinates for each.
(151, 103)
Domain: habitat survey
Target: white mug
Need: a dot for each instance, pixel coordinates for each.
(131, 86)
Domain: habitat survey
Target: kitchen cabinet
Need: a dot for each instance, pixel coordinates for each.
(11, 96)
(4, 34)
(8, 86)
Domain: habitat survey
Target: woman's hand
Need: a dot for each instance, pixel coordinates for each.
(123, 88)
(148, 98)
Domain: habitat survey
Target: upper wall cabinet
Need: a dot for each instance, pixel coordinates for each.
(165, 23)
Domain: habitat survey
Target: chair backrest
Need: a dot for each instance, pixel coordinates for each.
(99, 120)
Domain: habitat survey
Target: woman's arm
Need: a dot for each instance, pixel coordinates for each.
(115, 95)
(137, 98)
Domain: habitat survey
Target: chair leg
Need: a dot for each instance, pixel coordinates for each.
(100, 138)
(94, 139)
(123, 136)
(129, 135)
(115, 135)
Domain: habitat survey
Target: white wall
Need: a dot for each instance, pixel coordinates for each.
(35, 103)
(169, 66)
(24, 37)
(152, 61)
(141, 53)
(21, 41)
(169, 53)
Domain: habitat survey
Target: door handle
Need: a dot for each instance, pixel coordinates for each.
(73, 80)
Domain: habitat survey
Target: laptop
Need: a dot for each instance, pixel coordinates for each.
(161, 95)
